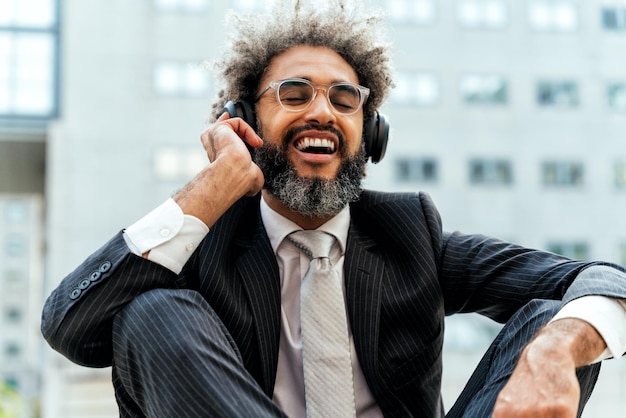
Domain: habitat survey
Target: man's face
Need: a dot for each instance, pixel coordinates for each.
(290, 131)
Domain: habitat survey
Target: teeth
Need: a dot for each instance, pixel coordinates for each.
(315, 143)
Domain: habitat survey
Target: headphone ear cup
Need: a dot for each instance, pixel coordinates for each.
(376, 136)
(241, 109)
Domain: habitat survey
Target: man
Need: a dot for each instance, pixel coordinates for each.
(197, 305)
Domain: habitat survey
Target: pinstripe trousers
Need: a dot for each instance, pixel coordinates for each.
(173, 357)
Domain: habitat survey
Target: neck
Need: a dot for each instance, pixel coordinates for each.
(306, 222)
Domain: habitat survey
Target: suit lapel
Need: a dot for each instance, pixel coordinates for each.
(363, 272)
(259, 272)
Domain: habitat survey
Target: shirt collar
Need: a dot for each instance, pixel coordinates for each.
(278, 227)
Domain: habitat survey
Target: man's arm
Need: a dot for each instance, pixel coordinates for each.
(231, 175)
(544, 382)
(77, 318)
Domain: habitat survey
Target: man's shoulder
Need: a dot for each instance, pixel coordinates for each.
(403, 207)
(395, 219)
(373, 198)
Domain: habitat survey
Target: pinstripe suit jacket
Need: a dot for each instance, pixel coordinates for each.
(402, 275)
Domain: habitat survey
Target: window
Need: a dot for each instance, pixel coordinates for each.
(412, 11)
(28, 58)
(483, 89)
(622, 255)
(253, 5)
(184, 6)
(15, 245)
(574, 250)
(416, 170)
(12, 349)
(12, 278)
(553, 15)
(563, 174)
(171, 163)
(490, 172)
(614, 18)
(16, 211)
(416, 88)
(557, 94)
(482, 13)
(13, 315)
(173, 78)
(616, 96)
(620, 175)
(11, 382)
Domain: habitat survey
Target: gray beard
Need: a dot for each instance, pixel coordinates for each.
(314, 197)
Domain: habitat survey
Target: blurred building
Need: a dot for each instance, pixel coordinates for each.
(510, 113)
(27, 92)
(21, 235)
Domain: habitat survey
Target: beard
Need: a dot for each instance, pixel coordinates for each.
(311, 196)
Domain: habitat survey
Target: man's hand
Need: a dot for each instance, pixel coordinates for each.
(231, 175)
(544, 382)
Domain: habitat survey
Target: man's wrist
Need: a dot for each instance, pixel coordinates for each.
(608, 317)
(166, 236)
(570, 337)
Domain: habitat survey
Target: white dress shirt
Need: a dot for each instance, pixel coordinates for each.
(171, 237)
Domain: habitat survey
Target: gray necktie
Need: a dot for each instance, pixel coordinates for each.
(328, 376)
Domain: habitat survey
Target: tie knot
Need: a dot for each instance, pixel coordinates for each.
(314, 243)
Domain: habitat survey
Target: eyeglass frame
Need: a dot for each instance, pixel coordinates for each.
(364, 93)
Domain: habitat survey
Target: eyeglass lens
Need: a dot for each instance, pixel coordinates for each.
(296, 95)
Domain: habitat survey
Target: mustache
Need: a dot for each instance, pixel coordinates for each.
(293, 132)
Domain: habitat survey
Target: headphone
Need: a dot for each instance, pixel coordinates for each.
(375, 128)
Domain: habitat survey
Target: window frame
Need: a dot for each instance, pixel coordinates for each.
(493, 172)
(181, 6)
(413, 80)
(566, 174)
(617, 102)
(576, 250)
(557, 88)
(483, 97)
(620, 18)
(52, 32)
(411, 19)
(418, 169)
(182, 71)
(482, 22)
(619, 175)
(550, 25)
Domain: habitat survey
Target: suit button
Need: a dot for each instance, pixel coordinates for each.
(106, 266)
(95, 276)
(75, 294)
(84, 284)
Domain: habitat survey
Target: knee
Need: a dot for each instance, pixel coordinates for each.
(155, 316)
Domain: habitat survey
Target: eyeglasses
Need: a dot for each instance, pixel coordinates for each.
(297, 94)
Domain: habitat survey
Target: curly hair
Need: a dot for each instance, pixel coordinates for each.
(357, 37)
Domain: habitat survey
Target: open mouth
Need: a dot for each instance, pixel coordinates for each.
(315, 145)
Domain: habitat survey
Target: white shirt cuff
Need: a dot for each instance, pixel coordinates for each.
(168, 234)
(606, 315)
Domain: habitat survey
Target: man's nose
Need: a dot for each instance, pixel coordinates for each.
(321, 110)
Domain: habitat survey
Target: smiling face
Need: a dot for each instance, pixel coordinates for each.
(317, 139)
(312, 160)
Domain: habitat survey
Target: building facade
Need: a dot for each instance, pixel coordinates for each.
(510, 113)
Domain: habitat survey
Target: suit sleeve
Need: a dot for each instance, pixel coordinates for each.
(495, 278)
(77, 317)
